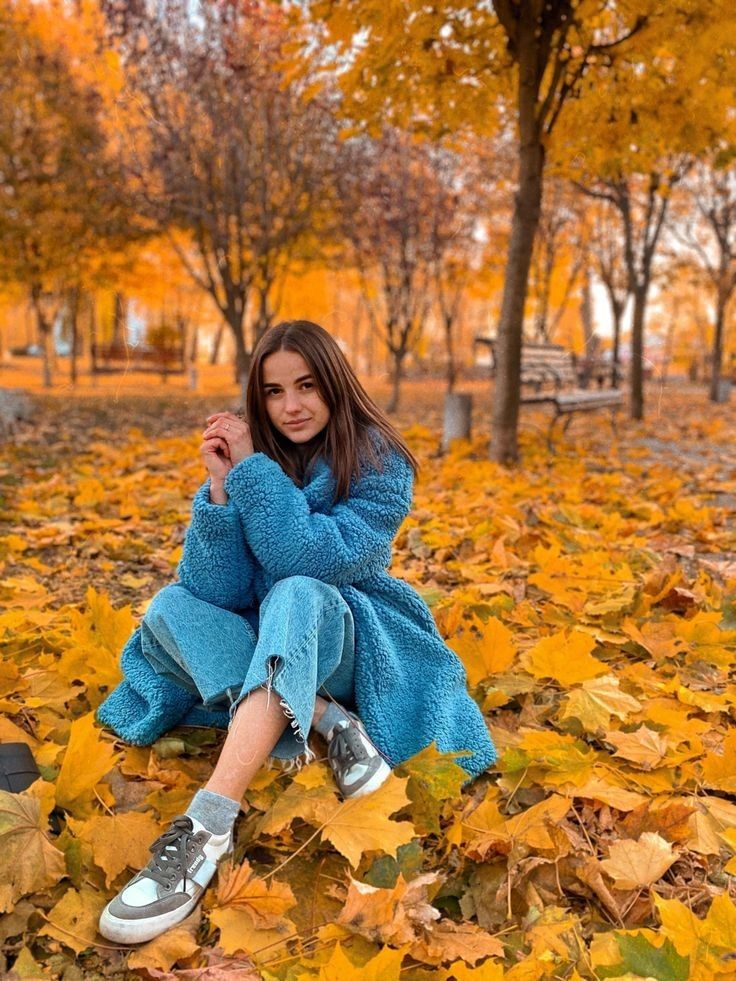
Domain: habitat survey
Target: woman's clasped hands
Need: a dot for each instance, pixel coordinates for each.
(227, 441)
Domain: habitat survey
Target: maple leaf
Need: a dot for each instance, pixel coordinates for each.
(643, 746)
(488, 971)
(447, 940)
(642, 959)
(28, 862)
(404, 915)
(719, 772)
(118, 841)
(670, 821)
(485, 651)
(633, 864)
(564, 657)
(310, 796)
(531, 827)
(434, 777)
(87, 759)
(607, 792)
(596, 701)
(266, 902)
(238, 935)
(361, 824)
(709, 943)
(249, 911)
(73, 920)
(385, 966)
(162, 953)
(391, 916)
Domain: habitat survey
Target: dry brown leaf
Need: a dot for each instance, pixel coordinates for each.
(390, 916)
(265, 901)
(644, 746)
(634, 864)
(162, 953)
(28, 860)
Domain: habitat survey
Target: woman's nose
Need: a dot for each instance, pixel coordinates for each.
(292, 402)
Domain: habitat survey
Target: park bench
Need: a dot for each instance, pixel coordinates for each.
(117, 358)
(551, 375)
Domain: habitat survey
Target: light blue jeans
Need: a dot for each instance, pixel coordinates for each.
(299, 643)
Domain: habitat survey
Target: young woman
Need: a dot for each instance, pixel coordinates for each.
(285, 619)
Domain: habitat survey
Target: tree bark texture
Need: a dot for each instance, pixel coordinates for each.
(527, 208)
(636, 376)
(717, 353)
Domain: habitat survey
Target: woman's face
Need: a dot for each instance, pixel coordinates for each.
(293, 403)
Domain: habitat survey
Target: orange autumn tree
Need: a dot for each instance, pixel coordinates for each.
(661, 108)
(70, 201)
(235, 153)
(524, 57)
(708, 233)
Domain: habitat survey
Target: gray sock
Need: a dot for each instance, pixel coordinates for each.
(333, 714)
(215, 812)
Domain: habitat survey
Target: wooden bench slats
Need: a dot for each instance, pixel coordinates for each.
(553, 374)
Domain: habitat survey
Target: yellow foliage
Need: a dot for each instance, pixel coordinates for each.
(594, 635)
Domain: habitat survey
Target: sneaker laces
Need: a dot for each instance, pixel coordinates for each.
(346, 744)
(170, 852)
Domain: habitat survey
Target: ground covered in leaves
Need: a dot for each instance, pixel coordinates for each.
(592, 597)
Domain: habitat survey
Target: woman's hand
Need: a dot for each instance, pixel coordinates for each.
(215, 455)
(227, 438)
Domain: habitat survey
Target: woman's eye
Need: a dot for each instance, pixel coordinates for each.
(307, 385)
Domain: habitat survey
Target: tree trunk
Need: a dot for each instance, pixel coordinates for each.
(45, 335)
(616, 314)
(93, 338)
(47, 343)
(527, 206)
(717, 351)
(119, 320)
(451, 367)
(586, 310)
(242, 355)
(74, 329)
(637, 351)
(396, 376)
(216, 346)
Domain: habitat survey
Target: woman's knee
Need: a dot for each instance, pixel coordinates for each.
(168, 602)
(303, 590)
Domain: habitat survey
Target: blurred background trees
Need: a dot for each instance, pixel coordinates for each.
(176, 178)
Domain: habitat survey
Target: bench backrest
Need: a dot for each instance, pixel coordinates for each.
(541, 363)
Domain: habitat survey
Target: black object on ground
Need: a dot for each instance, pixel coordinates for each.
(18, 769)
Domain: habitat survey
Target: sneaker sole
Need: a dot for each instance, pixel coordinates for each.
(379, 777)
(139, 931)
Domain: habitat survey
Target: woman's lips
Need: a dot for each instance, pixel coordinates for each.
(297, 422)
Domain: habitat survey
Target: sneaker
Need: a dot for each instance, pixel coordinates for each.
(166, 891)
(358, 766)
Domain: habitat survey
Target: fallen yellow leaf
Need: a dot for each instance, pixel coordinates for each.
(634, 864)
(361, 824)
(564, 657)
(87, 759)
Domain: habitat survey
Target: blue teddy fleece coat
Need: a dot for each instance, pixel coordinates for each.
(410, 688)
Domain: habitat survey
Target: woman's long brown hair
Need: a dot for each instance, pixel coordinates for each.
(345, 441)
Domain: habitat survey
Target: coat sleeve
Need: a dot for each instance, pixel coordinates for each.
(216, 564)
(350, 543)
